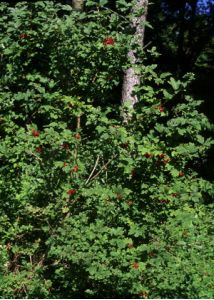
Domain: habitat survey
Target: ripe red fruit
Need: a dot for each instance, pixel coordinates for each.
(135, 265)
(65, 146)
(35, 133)
(161, 108)
(151, 254)
(75, 168)
(181, 174)
(71, 192)
(77, 136)
(23, 36)
(143, 295)
(164, 201)
(165, 161)
(119, 197)
(39, 149)
(125, 145)
(148, 155)
(108, 41)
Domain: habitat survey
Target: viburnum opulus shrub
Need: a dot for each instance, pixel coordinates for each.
(92, 206)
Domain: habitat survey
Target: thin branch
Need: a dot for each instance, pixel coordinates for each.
(147, 45)
(78, 122)
(94, 78)
(103, 167)
(76, 147)
(94, 168)
(38, 158)
(107, 8)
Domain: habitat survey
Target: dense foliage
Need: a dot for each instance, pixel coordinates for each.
(92, 206)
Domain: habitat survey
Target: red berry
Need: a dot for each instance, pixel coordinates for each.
(143, 295)
(165, 161)
(39, 149)
(77, 136)
(164, 201)
(135, 265)
(23, 36)
(181, 174)
(65, 146)
(75, 168)
(35, 133)
(148, 155)
(161, 108)
(71, 192)
(119, 197)
(125, 145)
(108, 41)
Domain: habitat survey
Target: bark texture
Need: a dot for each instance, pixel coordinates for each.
(78, 4)
(131, 79)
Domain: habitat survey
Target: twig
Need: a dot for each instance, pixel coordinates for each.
(147, 45)
(94, 78)
(107, 8)
(103, 167)
(31, 261)
(78, 122)
(94, 168)
(76, 148)
(38, 158)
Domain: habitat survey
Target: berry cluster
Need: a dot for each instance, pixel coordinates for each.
(108, 41)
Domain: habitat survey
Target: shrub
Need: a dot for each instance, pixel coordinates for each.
(92, 206)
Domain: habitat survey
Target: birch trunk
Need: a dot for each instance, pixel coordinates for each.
(131, 79)
(78, 4)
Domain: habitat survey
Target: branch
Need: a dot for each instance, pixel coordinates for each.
(38, 158)
(103, 167)
(76, 147)
(92, 172)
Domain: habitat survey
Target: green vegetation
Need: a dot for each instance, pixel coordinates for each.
(90, 205)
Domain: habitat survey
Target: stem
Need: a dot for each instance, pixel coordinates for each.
(78, 127)
(92, 172)
(38, 158)
(103, 167)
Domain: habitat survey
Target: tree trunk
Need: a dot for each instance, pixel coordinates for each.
(131, 79)
(180, 51)
(78, 4)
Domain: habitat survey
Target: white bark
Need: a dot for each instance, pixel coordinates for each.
(131, 78)
(78, 4)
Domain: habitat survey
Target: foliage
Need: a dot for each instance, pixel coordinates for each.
(90, 205)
